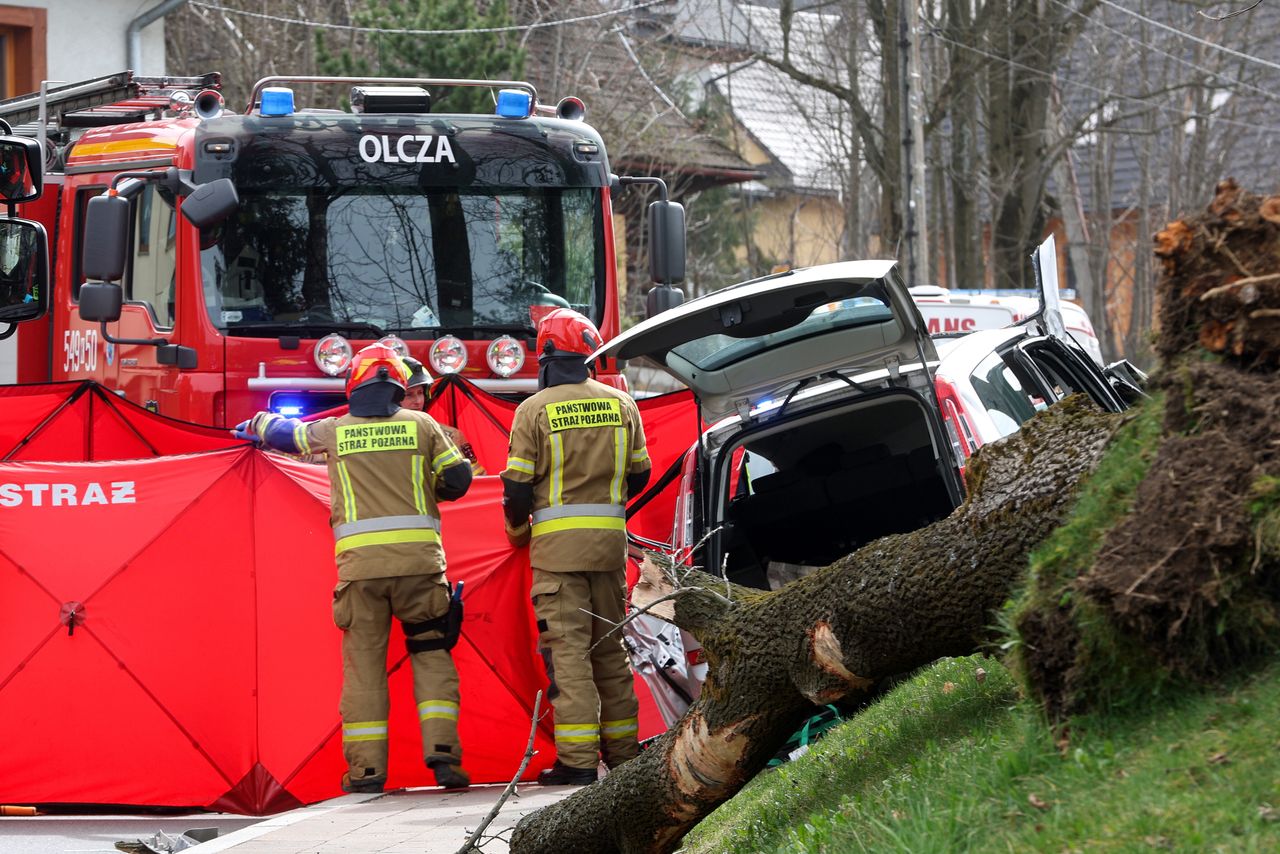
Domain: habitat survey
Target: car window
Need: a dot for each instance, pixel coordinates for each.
(748, 468)
(869, 306)
(1001, 394)
(1063, 377)
(153, 263)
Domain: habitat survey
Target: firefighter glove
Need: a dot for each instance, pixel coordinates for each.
(244, 430)
(255, 429)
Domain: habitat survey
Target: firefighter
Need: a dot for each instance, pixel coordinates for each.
(388, 468)
(416, 399)
(577, 453)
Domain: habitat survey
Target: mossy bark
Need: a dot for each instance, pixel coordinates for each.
(897, 603)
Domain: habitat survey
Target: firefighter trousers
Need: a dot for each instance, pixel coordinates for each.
(593, 693)
(363, 610)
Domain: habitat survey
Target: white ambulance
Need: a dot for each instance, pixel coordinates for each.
(949, 313)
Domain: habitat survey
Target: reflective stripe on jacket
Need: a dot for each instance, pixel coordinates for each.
(576, 443)
(383, 473)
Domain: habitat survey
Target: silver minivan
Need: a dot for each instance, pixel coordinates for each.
(826, 429)
(833, 419)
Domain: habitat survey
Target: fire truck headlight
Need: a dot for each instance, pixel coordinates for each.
(397, 344)
(448, 355)
(505, 356)
(333, 354)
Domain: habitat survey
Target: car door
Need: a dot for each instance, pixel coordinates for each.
(1069, 370)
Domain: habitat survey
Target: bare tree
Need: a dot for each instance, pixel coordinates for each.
(1162, 117)
(247, 40)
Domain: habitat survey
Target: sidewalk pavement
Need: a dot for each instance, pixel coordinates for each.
(405, 821)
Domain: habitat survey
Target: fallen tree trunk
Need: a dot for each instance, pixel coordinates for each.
(896, 604)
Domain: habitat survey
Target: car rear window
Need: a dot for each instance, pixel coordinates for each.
(1001, 394)
(712, 352)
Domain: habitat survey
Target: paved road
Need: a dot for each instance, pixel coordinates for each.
(406, 821)
(97, 834)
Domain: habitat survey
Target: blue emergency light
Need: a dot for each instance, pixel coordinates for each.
(291, 404)
(298, 404)
(513, 103)
(276, 101)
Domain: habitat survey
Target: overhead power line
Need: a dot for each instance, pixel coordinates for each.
(1147, 102)
(1245, 56)
(513, 28)
(1218, 74)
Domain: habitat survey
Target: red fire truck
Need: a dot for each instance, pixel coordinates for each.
(208, 264)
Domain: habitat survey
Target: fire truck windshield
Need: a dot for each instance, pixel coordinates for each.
(418, 262)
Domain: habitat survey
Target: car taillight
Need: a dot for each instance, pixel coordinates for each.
(962, 436)
(682, 532)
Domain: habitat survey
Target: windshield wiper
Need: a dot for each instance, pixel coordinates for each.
(457, 329)
(305, 328)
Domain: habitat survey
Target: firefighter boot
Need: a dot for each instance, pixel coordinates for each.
(448, 775)
(371, 784)
(564, 775)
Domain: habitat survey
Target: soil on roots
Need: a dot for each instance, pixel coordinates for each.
(1178, 572)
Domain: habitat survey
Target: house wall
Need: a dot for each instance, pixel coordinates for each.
(87, 38)
(798, 230)
(1124, 247)
(792, 228)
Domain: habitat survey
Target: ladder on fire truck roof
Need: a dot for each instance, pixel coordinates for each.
(120, 98)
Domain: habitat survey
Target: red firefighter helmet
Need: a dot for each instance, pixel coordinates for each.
(565, 331)
(377, 363)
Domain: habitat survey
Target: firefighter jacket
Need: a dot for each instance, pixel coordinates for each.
(387, 475)
(579, 445)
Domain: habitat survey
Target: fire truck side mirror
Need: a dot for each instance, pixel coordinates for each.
(24, 271)
(211, 203)
(666, 242)
(660, 298)
(100, 302)
(106, 238)
(21, 169)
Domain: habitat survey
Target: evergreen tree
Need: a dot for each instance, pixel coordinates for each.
(470, 55)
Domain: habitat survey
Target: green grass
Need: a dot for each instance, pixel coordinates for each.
(945, 763)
